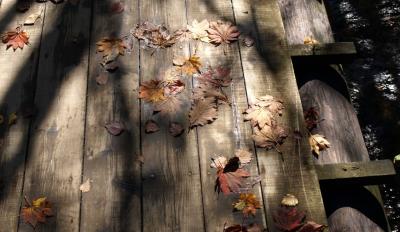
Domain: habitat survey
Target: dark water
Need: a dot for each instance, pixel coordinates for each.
(374, 79)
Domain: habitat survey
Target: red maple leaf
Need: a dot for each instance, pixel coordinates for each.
(230, 178)
(288, 219)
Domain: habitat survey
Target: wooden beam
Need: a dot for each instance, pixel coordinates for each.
(360, 173)
(340, 52)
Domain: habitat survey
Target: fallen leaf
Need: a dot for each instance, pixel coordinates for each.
(188, 66)
(203, 111)
(85, 187)
(173, 87)
(311, 118)
(176, 129)
(12, 119)
(288, 219)
(115, 128)
(270, 136)
(102, 78)
(230, 179)
(204, 91)
(151, 127)
(31, 19)
(311, 226)
(199, 30)
(244, 156)
(154, 36)
(37, 211)
(310, 41)
(318, 143)
(111, 49)
(218, 77)
(222, 32)
(15, 39)
(263, 111)
(219, 162)
(169, 106)
(117, 7)
(152, 91)
(247, 203)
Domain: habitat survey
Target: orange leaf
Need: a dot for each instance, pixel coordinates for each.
(37, 211)
(15, 39)
(111, 49)
(152, 91)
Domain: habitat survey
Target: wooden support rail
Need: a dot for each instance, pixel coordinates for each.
(360, 173)
(340, 52)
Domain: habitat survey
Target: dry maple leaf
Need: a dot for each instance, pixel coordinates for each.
(203, 91)
(15, 39)
(173, 87)
(111, 49)
(270, 136)
(176, 129)
(199, 30)
(219, 162)
(188, 66)
(311, 117)
(203, 111)
(230, 179)
(154, 36)
(37, 211)
(218, 77)
(222, 32)
(288, 219)
(318, 143)
(152, 91)
(263, 111)
(169, 106)
(247, 203)
(31, 19)
(151, 126)
(244, 156)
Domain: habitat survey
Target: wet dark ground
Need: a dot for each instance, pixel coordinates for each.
(374, 79)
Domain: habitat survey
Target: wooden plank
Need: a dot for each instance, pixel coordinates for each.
(361, 173)
(17, 77)
(326, 49)
(111, 162)
(172, 199)
(228, 132)
(54, 161)
(268, 70)
(305, 18)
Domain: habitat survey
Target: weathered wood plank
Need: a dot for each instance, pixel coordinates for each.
(228, 132)
(172, 199)
(111, 162)
(268, 70)
(347, 145)
(305, 18)
(17, 77)
(54, 161)
(361, 173)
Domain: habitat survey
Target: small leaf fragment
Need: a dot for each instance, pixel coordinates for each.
(151, 126)
(31, 19)
(318, 143)
(85, 187)
(176, 129)
(219, 162)
(244, 156)
(37, 211)
(115, 128)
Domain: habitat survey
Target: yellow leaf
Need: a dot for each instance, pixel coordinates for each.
(39, 202)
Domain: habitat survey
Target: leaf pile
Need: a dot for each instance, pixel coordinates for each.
(15, 39)
(263, 117)
(207, 95)
(37, 211)
(290, 219)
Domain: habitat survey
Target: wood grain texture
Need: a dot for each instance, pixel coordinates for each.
(17, 77)
(228, 132)
(326, 49)
(305, 18)
(57, 135)
(361, 173)
(172, 198)
(268, 70)
(111, 162)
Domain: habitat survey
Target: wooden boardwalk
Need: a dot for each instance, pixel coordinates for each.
(141, 182)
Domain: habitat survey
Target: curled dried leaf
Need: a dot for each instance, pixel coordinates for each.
(318, 143)
(289, 200)
(270, 136)
(219, 162)
(188, 66)
(263, 111)
(152, 91)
